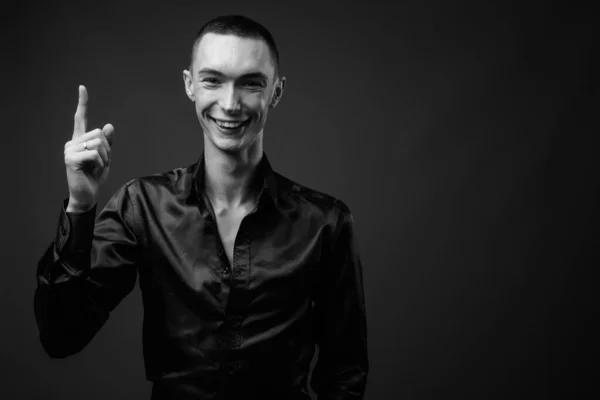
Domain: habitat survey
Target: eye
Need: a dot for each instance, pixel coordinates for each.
(253, 84)
(210, 80)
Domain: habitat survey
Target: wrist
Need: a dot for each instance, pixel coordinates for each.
(78, 207)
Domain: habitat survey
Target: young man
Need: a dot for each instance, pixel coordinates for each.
(242, 271)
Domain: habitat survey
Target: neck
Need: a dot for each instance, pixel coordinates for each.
(229, 177)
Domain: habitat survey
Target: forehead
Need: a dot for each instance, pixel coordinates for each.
(233, 55)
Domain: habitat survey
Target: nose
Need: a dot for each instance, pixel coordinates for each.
(230, 100)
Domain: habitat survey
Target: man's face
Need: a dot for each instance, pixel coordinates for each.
(232, 83)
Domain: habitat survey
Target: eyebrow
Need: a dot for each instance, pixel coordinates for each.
(219, 73)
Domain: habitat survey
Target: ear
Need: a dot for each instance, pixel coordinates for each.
(187, 81)
(277, 92)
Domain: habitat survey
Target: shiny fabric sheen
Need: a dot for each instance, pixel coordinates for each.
(211, 330)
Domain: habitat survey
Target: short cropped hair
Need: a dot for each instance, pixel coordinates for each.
(241, 26)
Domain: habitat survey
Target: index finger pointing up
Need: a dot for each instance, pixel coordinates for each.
(80, 124)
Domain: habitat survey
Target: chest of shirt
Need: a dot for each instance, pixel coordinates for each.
(275, 257)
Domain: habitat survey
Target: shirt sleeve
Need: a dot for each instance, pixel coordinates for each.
(341, 325)
(86, 272)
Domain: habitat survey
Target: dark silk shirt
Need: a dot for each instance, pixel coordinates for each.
(212, 330)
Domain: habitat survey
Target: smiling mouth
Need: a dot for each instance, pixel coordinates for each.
(229, 125)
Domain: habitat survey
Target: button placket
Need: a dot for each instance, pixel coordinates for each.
(242, 252)
(232, 366)
(235, 321)
(225, 270)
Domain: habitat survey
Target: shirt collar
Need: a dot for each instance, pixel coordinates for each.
(266, 175)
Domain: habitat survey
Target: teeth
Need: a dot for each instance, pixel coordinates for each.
(227, 124)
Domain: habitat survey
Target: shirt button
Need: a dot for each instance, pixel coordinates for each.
(225, 270)
(232, 366)
(235, 321)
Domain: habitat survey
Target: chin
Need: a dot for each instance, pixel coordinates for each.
(230, 147)
(228, 144)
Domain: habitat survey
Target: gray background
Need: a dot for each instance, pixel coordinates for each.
(459, 133)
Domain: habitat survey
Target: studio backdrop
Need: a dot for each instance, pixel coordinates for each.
(459, 134)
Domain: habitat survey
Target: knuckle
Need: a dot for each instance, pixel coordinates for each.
(94, 134)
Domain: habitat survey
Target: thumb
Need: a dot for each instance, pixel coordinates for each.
(108, 132)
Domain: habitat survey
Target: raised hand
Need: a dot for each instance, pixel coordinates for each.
(87, 159)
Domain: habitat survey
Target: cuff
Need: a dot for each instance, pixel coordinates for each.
(75, 230)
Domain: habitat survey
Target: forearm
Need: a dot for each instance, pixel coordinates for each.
(340, 317)
(341, 370)
(66, 315)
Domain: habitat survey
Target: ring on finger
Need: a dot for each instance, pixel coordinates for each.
(85, 145)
